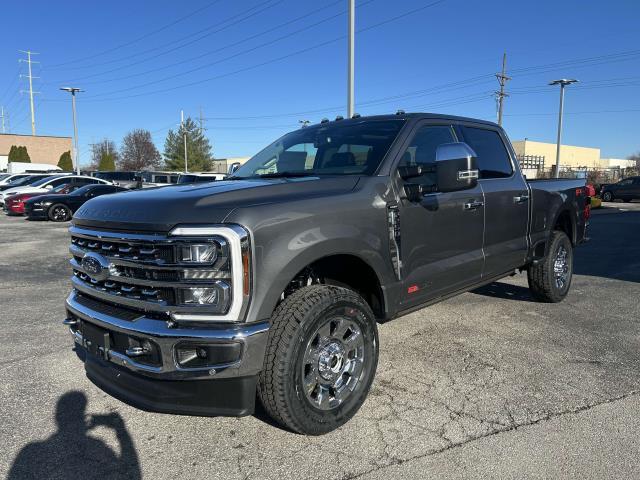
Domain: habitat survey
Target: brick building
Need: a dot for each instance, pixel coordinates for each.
(41, 149)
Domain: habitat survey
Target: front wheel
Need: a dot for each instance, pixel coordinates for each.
(607, 197)
(60, 213)
(321, 358)
(550, 278)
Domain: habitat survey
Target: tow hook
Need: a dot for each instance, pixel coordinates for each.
(136, 352)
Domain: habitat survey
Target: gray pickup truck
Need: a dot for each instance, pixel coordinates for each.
(196, 299)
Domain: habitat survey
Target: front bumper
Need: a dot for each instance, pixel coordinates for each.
(35, 212)
(157, 381)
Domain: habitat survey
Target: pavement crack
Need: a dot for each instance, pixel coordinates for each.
(502, 429)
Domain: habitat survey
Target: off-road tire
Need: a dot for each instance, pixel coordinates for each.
(293, 324)
(542, 277)
(56, 207)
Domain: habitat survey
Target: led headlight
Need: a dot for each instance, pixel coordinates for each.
(199, 253)
(200, 296)
(215, 295)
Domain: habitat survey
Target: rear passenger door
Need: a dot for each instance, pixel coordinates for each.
(506, 199)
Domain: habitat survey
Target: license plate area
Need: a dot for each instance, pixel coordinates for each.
(97, 340)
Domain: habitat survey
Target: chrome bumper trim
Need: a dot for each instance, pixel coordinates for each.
(253, 338)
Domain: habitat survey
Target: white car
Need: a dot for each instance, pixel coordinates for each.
(49, 183)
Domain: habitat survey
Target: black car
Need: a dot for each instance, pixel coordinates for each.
(626, 189)
(60, 208)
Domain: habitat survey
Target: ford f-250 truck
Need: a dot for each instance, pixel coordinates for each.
(195, 299)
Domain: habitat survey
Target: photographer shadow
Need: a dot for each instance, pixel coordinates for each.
(72, 453)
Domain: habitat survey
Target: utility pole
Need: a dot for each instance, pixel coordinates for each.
(502, 80)
(2, 115)
(303, 123)
(563, 82)
(76, 151)
(201, 122)
(351, 58)
(184, 135)
(31, 92)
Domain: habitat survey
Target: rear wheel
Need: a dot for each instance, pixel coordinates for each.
(321, 359)
(607, 196)
(550, 278)
(59, 213)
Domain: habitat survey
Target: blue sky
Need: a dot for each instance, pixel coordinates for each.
(257, 67)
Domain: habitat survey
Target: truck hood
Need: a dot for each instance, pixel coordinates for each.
(160, 209)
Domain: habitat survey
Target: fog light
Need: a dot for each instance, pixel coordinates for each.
(200, 296)
(199, 253)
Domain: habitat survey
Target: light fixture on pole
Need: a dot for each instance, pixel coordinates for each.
(76, 152)
(563, 82)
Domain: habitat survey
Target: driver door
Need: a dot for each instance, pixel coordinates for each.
(441, 235)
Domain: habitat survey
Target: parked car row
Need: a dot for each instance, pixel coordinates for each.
(50, 197)
(56, 197)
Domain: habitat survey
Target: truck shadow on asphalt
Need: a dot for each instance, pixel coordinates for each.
(506, 291)
(72, 453)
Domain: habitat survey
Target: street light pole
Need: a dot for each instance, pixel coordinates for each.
(351, 53)
(563, 82)
(76, 152)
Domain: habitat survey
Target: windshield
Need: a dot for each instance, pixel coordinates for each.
(83, 190)
(26, 180)
(354, 148)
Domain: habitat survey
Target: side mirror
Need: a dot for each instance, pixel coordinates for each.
(233, 167)
(456, 167)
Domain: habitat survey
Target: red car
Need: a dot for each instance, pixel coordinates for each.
(14, 205)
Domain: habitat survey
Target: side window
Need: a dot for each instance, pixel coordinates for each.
(626, 182)
(423, 146)
(58, 182)
(493, 159)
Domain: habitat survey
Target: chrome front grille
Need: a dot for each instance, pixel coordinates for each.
(127, 250)
(149, 272)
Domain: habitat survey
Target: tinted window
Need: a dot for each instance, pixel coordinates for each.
(333, 148)
(58, 182)
(422, 150)
(627, 181)
(493, 159)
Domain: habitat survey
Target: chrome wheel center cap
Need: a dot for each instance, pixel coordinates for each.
(331, 361)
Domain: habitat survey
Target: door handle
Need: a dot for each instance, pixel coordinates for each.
(473, 205)
(521, 199)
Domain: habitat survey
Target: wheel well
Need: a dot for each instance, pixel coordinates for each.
(564, 224)
(342, 270)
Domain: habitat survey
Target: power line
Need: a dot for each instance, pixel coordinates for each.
(267, 4)
(131, 42)
(251, 67)
(223, 48)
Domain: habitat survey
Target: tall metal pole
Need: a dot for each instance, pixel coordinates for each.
(2, 108)
(76, 153)
(184, 135)
(351, 58)
(75, 132)
(31, 92)
(563, 83)
(502, 79)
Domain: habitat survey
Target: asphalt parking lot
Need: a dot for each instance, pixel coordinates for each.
(487, 385)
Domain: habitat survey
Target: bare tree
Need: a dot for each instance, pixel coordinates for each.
(138, 152)
(636, 157)
(106, 147)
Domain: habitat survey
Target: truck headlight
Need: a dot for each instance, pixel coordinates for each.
(200, 296)
(214, 295)
(199, 253)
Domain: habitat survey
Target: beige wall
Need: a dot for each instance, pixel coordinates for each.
(570, 156)
(41, 149)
